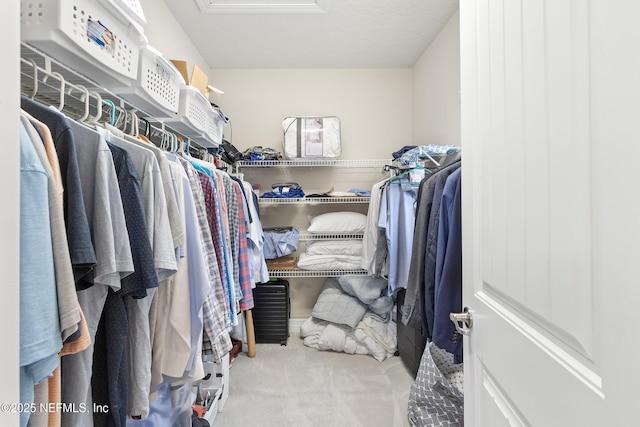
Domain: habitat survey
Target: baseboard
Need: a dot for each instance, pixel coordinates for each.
(295, 323)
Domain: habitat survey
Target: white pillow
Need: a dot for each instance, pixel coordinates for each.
(334, 247)
(338, 222)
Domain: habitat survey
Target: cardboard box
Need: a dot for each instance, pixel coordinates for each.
(198, 78)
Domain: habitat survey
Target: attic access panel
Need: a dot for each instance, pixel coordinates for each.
(263, 6)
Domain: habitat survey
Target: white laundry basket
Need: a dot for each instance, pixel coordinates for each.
(193, 113)
(88, 35)
(130, 9)
(157, 89)
(215, 126)
(212, 136)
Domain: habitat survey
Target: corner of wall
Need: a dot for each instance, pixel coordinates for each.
(436, 89)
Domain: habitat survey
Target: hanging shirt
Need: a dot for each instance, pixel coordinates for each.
(371, 233)
(175, 222)
(68, 308)
(413, 310)
(448, 288)
(232, 217)
(172, 333)
(436, 186)
(226, 247)
(81, 248)
(213, 298)
(215, 226)
(397, 219)
(103, 204)
(256, 241)
(155, 204)
(246, 303)
(40, 337)
(101, 194)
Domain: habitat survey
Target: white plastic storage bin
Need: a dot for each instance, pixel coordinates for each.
(130, 10)
(86, 34)
(157, 89)
(193, 113)
(215, 126)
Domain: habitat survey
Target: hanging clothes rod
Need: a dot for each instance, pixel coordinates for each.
(79, 98)
(52, 83)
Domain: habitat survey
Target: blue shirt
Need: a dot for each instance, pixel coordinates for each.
(397, 220)
(40, 336)
(83, 257)
(448, 286)
(280, 242)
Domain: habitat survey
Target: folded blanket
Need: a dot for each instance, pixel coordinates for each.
(371, 291)
(371, 336)
(333, 305)
(329, 262)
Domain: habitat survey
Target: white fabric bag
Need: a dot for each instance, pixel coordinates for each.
(436, 397)
(311, 137)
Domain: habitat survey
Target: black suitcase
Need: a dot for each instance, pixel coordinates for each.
(411, 343)
(271, 311)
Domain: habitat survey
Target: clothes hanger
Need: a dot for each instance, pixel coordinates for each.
(121, 119)
(95, 120)
(413, 175)
(147, 128)
(164, 144)
(47, 74)
(84, 98)
(35, 78)
(134, 124)
(110, 103)
(62, 86)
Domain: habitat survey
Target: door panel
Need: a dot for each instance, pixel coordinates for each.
(536, 104)
(535, 205)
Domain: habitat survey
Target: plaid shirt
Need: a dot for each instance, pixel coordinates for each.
(234, 225)
(246, 303)
(218, 184)
(214, 313)
(215, 225)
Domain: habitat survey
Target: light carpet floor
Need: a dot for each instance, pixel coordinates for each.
(294, 385)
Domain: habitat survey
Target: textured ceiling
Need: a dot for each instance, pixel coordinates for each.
(352, 34)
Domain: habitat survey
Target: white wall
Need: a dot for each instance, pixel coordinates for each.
(166, 35)
(436, 89)
(10, 213)
(374, 105)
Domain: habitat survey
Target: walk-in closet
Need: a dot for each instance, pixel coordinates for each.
(319, 213)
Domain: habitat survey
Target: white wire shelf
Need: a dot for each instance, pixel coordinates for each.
(53, 83)
(359, 163)
(312, 200)
(327, 236)
(297, 272)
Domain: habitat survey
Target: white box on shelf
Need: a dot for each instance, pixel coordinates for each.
(157, 88)
(215, 125)
(86, 34)
(131, 10)
(193, 113)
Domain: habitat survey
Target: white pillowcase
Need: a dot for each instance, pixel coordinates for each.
(334, 247)
(338, 222)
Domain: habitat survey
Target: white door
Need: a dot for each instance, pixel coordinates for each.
(551, 211)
